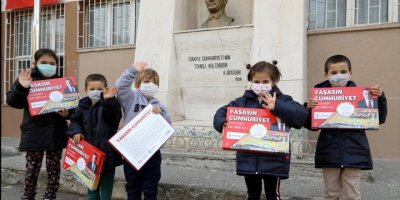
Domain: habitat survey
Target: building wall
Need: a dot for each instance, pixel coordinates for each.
(375, 55)
(108, 62)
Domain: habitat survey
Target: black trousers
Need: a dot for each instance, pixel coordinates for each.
(33, 165)
(145, 180)
(254, 187)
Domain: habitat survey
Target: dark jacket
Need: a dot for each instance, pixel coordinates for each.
(345, 148)
(98, 124)
(41, 132)
(247, 163)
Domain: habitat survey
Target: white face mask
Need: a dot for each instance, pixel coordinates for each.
(94, 95)
(339, 80)
(148, 89)
(260, 88)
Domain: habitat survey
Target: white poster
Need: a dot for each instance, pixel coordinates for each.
(142, 137)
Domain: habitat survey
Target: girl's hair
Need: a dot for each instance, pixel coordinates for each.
(263, 66)
(147, 73)
(41, 52)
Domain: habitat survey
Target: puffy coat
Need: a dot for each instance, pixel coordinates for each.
(41, 132)
(291, 112)
(98, 124)
(345, 148)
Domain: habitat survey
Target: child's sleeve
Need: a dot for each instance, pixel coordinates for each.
(124, 85)
(165, 113)
(220, 116)
(111, 110)
(382, 107)
(17, 96)
(307, 124)
(76, 125)
(291, 112)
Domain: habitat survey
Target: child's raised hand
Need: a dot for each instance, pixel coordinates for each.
(109, 93)
(312, 103)
(78, 137)
(376, 90)
(269, 101)
(139, 66)
(24, 78)
(156, 110)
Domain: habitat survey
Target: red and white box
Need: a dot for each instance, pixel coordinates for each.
(255, 130)
(345, 108)
(85, 161)
(52, 95)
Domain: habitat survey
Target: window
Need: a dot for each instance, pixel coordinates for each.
(371, 11)
(18, 44)
(107, 23)
(326, 14)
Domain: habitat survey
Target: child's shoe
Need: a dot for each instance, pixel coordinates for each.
(24, 197)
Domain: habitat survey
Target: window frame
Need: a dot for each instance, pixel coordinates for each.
(13, 61)
(85, 22)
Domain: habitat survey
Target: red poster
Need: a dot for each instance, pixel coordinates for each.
(255, 130)
(345, 107)
(53, 95)
(85, 161)
(20, 4)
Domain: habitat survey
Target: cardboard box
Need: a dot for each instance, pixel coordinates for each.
(255, 130)
(79, 160)
(52, 95)
(345, 108)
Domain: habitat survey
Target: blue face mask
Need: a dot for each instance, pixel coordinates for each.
(47, 70)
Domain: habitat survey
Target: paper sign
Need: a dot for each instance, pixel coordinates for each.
(255, 130)
(52, 95)
(345, 107)
(138, 140)
(85, 161)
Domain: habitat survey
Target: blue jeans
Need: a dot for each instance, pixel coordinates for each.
(145, 180)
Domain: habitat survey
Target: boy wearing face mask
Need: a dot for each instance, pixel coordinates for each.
(146, 82)
(96, 120)
(343, 153)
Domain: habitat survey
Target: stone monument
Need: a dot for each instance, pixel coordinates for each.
(217, 16)
(203, 69)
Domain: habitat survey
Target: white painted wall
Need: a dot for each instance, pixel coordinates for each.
(280, 34)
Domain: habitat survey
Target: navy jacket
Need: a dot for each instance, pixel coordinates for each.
(345, 148)
(98, 124)
(41, 132)
(291, 112)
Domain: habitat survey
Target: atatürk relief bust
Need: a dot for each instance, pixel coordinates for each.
(217, 16)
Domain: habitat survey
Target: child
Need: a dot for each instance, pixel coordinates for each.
(133, 101)
(42, 133)
(343, 153)
(264, 93)
(96, 119)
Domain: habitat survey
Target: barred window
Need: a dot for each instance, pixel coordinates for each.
(326, 14)
(105, 23)
(371, 11)
(18, 44)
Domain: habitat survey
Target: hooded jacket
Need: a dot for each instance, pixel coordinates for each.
(291, 112)
(98, 123)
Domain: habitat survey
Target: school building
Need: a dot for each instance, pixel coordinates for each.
(99, 36)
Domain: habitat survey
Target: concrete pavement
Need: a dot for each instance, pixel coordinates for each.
(191, 175)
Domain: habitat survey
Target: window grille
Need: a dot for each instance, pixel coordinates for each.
(18, 44)
(371, 11)
(326, 14)
(105, 23)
